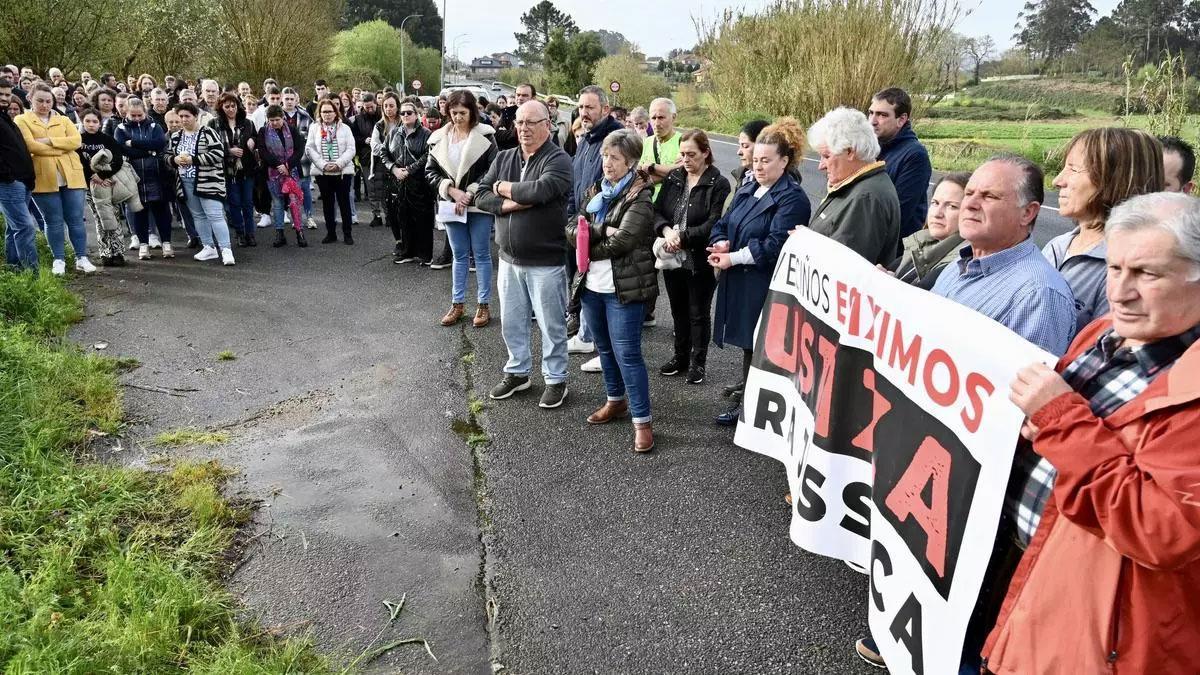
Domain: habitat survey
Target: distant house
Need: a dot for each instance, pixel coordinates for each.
(700, 76)
(651, 63)
(488, 67)
(688, 59)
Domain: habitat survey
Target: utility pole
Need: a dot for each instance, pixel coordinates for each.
(442, 80)
(403, 80)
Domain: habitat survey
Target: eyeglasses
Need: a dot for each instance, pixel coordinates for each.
(408, 112)
(525, 124)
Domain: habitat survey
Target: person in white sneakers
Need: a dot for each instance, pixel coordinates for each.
(199, 157)
(59, 184)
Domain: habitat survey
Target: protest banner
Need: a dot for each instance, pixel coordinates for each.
(888, 406)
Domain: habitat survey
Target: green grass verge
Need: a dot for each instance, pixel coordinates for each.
(104, 568)
(182, 437)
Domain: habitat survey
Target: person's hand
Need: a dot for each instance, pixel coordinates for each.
(463, 199)
(236, 152)
(610, 231)
(44, 139)
(183, 160)
(503, 189)
(398, 173)
(1035, 386)
(129, 143)
(720, 261)
(331, 167)
(459, 209)
(881, 268)
(282, 169)
(1029, 431)
(719, 247)
(107, 182)
(249, 143)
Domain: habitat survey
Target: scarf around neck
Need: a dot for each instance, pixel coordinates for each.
(598, 205)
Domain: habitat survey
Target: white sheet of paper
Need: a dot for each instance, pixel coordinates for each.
(446, 214)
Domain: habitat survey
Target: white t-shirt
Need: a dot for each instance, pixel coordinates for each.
(600, 277)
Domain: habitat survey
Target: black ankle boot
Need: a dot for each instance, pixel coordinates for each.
(250, 240)
(377, 221)
(279, 240)
(347, 237)
(330, 238)
(300, 240)
(241, 240)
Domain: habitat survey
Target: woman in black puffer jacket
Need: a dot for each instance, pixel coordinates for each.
(620, 278)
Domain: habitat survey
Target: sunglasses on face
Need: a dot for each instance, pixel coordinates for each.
(408, 112)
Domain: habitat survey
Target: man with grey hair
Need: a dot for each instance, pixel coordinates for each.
(661, 154)
(861, 209)
(527, 189)
(1115, 426)
(210, 93)
(160, 103)
(597, 124)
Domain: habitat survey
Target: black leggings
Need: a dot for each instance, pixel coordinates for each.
(691, 293)
(336, 187)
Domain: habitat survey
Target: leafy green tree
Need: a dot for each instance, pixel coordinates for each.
(291, 41)
(540, 22)
(1049, 28)
(426, 31)
(637, 86)
(613, 42)
(570, 61)
(65, 34)
(373, 49)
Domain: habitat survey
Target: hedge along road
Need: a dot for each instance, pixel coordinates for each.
(1049, 223)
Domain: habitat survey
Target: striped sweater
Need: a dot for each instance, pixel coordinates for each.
(210, 163)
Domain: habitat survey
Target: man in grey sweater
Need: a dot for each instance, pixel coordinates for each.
(527, 188)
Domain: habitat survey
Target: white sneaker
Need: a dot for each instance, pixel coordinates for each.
(592, 366)
(264, 220)
(155, 242)
(578, 345)
(207, 253)
(310, 223)
(84, 265)
(143, 252)
(168, 252)
(134, 242)
(59, 268)
(227, 257)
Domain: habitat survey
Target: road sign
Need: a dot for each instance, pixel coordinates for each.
(416, 84)
(614, 86)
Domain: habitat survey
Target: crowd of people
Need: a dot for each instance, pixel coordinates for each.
(1098, 552)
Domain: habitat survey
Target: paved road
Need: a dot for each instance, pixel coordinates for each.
(1049, 223)
(553, 549)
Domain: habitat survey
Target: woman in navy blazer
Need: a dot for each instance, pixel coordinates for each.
(746, 241)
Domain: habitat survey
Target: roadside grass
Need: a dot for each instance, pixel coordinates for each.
(105, 568)
(183, 437)
(226, 355)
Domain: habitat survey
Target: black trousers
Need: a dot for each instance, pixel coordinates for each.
(412, 227)
(691, 294)
(335, 196)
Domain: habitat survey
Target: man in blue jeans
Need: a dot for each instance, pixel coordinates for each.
(16, 175)
(527, 189)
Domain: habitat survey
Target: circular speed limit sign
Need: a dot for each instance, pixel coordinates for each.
(614, 86)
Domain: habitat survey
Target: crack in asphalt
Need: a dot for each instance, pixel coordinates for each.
(473, 432)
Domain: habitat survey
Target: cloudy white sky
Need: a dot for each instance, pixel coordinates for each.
(658, 26)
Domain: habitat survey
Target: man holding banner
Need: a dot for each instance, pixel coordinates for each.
(1111, 580)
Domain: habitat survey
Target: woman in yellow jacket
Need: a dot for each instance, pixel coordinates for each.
(59, 188)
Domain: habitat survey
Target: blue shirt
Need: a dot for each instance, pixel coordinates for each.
(1017, 287)
(1085, 272)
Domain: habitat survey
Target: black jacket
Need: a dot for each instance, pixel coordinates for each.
(629, 249)
(530, 236)
(479, 150)
(268, 159)
(237, 137)
(399, 150)
(705, 204)
(16, 164)
(362, 126)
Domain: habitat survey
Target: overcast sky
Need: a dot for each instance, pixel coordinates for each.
(658, 26)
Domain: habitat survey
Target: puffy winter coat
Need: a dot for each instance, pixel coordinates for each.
(144, 142)
(629, 248)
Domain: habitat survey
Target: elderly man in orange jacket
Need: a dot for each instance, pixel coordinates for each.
(1111, 579)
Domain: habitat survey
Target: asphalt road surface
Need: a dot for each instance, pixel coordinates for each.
(553, 548)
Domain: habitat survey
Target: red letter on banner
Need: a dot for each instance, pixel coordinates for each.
(879, 407)
(779, 329)
(931, 463)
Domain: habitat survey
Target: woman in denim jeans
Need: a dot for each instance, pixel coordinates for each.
(620, 278)
(459, 155)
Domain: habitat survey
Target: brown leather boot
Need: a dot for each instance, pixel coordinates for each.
(455, 313)
(643, 437)
(483, 316)
(608, 412)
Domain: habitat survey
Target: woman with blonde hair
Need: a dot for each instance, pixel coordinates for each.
(1103, 168)
(745, 242)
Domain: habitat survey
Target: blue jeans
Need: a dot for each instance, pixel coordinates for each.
(306, 188)
(240, 195)
(20, 245)
(525, 290)
(158, 211)
(472, 237)
(64, 208)
(617, 332)
(209, 216)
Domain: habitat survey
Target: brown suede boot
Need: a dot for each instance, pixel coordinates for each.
(455, 313)
(643, 437)
(608, 412)
(483, 316)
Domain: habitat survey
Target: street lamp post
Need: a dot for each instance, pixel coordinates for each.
(403, 80)
(442, 78)
(457, 62)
